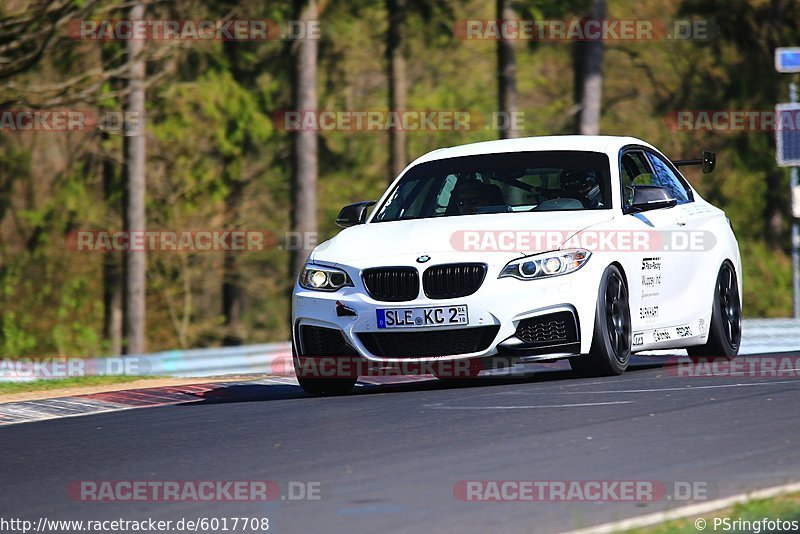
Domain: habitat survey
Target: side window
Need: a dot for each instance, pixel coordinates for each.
(666, 178)
(634, 170)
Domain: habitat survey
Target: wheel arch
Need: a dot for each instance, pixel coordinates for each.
(587, 323)
(619, 266)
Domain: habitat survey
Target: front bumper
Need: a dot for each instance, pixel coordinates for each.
(502, 304)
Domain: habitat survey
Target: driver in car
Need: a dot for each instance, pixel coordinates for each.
(472, 195)
(582, 185)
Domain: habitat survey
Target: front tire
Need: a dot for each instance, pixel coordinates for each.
(725, 331)
(611, 344)
(327, 386)
(321, 386)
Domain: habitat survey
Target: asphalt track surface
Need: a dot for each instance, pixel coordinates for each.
(388, 457)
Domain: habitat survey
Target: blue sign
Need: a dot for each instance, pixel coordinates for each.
(787, 134)
(787, 59)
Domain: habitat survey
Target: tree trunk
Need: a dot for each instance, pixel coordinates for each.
(233, 293)
(506, 76)
(776, 201)
(396, 72)
(304, 180)
(232, 288)
(112, 269)
(590, 80)
(135, 262)
(112, 303)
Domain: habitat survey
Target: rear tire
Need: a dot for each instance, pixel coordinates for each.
(611, 344)
(725, 331)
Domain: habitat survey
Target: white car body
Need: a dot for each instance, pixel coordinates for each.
(670, 292)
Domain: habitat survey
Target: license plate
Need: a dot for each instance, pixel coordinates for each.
(422, 317)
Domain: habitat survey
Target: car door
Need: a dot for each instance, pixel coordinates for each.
(688, 243)
(659, 286)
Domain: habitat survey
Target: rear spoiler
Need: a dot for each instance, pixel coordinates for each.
(709, 161)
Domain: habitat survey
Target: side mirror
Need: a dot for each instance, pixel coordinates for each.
(354, 214)
(651, 197)
(709, 161)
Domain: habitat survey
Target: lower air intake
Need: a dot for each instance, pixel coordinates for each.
(430, 343)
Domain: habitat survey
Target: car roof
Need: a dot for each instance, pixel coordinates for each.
(607, 144)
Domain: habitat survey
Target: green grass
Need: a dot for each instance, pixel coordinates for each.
(55, 383)
(785, 508)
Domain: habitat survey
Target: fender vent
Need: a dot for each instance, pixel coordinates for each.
(550, 329)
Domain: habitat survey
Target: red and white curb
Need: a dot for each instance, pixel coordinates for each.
(112, 401)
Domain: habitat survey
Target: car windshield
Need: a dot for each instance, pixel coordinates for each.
(500, 183)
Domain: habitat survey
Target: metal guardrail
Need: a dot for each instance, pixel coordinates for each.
(770, 335)
(273, 358)
(758, 336)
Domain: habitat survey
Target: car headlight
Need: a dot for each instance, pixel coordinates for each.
(321, 278)
(546, 265)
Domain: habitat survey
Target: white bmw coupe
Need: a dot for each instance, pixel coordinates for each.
(581, 247)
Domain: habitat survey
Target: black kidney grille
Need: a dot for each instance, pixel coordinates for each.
(392, 284)
(320, 341)
(453, 281)
(429, 343)
(551, 329)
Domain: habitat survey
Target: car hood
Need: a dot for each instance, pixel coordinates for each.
(448, 239)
